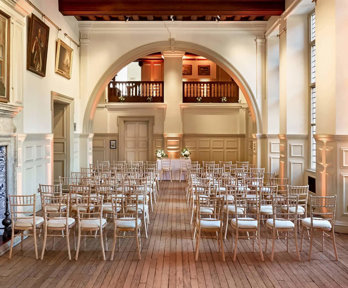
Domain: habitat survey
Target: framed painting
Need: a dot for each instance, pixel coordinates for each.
(204, 70)
(37, 46)
(187, 69)
(63, 59)
(4, 57)
(113, 144)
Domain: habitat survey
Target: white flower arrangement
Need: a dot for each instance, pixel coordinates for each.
(185, 152)
(161, 154)
(121, 98)
(224, 99)
(199, 99)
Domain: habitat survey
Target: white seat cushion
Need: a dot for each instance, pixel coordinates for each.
(210, 223)
(28, 222)
(107, 207)
(92, 223)
(318, 223)
(127, 222)
(292, 209)
(206, 210)
(55, 207)
(266, 209)
(245, 223)
(280, 224)
(59, 222)
(140, 208)
(232, 209)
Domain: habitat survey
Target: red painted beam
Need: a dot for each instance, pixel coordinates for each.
(170, 7)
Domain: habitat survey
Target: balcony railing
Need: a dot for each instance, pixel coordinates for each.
(135, 91)
(210, 92)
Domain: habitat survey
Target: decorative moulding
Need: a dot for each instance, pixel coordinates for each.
(120, 106)
(9, 110)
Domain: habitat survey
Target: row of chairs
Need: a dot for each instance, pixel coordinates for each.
(246, 205)
(87, 206)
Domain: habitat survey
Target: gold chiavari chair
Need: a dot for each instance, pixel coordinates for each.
(126, 219)
(24, 219)
(283, 221)
(57, 221)
(247, 223)
(90, 221)
(166, 168)
(230, 208)
(321, 218)
(209, 220)
(50, 190)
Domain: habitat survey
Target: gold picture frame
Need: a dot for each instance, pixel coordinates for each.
(63, 59)
(4, 57)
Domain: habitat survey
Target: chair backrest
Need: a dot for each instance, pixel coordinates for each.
(281, 183)
(301, 192)
(88, 208)
(166, 163)
(323, 206)
(55, 206)
(209, 208)
(50, 189)
(125, 207)
(285, 207)
(257, 172)
(22, 207)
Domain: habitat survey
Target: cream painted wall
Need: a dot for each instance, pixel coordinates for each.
(107, 42)
(214, 121)
(37, 89)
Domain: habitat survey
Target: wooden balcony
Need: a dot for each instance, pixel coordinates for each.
(135, 91)
(210, 92)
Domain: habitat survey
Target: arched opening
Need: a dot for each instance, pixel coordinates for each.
(162, 46)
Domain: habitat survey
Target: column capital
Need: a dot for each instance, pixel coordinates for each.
(173, 54)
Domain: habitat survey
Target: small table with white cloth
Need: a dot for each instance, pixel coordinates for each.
(175, 165)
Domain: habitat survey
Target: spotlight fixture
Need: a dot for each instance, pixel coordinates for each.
(171, 17)
(217, 18)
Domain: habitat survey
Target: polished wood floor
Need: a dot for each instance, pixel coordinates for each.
(168, 260)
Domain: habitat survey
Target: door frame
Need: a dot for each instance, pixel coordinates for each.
(68, 102)
(121, 133)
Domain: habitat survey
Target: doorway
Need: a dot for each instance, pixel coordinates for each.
(135, 136)
(61, 129)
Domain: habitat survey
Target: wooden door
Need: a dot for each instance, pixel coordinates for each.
(136, 141)
(60, 141)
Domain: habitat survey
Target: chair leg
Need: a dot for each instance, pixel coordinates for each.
(287, 241)
(114, 244)
(78, 243)
(310, 245)
(35, 243)
(138, 245)
(334, 243)
(222, 245)
(68, 242)
(302, 234)
(322, 241)
(266, 240)
(102, 243)
(44, 243)
(197, 244)
(12, 240)
(22, 238)
(260, 245)
(226, 226)
(235, 247)
(296, 244)
(273, 243)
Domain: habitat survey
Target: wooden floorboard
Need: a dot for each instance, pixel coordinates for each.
(168, 259)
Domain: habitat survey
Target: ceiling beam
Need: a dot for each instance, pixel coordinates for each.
(169, 7)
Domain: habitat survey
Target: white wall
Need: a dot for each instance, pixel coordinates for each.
(108, 42)
(37, 89)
